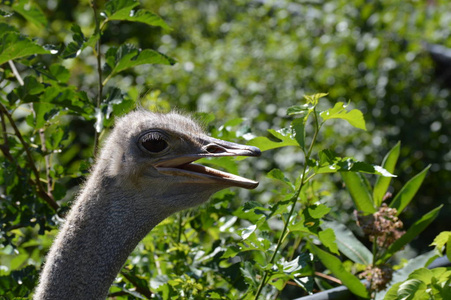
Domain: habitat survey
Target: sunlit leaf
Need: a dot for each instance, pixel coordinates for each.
(127, 56)
(314, 99)
(74, 48)
(43, 112)
(411, 288)
(382, 182)
(299, 131)
(285, 137)
(318, 211)
(408, 191)
(122, 10)
(328, 239)
(246, 232)
(336, 267)
(278, 175)
(60, 73)
(354, 117)
(441, 239)
(14, 45)
(30, 11)
(329, 162)
(298, 109)
(359, 192)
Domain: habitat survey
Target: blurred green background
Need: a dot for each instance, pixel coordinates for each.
(254, 59)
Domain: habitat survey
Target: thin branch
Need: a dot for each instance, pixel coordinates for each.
(41, 191)
(47, 162)
(15, 72)
(330, 278)
(5, 147)
(99, 71)
(143, 291)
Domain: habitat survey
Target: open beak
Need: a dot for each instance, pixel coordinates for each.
(182, 165)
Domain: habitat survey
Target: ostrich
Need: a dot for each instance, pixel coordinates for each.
(144, 173)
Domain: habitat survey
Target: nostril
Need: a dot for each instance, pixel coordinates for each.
(214, 149)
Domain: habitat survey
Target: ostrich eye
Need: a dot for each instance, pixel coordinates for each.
(154, 142)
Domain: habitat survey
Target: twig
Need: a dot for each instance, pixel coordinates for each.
(15, 72)
(41, 191)
(47, 162)
(99, 71)
(143, 291)
(333, 279)
(5, 147)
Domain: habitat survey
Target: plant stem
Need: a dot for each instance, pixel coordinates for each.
(47, 161)
(41, 135)
(99, 72)
(15, 72)
(179, 234)
(42, 192)
(294, 199)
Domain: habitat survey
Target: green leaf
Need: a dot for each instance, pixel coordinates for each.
(354, 117)
(74, 48)
(412, 232)
(314, 99)
(410, 290)
(382, 183)
(318, 211)
(60, 73)
(359, 191)
(120, 7)
(412, 265)
(29, 92)
(127, 56)
(299, 131)
(30, 11)
(246, 232)
(284, 135)
(43, 112)
(298, 110)
(408, 191)
(122, 10)
(328, 239)
(13, 46)
(249, 275)
(278, 175)
(444, 238)
(336, 267)
(448, 248)
(5, 14)
(348, 244)
(7, 28)
(329, 162)
(441, 239)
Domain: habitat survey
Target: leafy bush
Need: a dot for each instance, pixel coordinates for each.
(68, 70)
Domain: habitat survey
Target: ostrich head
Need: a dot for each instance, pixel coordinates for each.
(154, 154)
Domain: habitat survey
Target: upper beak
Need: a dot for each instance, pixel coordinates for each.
(217, 147)
(182, 165)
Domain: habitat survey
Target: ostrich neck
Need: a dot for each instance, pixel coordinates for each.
(103, 227)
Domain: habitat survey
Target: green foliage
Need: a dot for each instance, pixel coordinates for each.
(13, 45)
(423, 284)
(247, 65)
